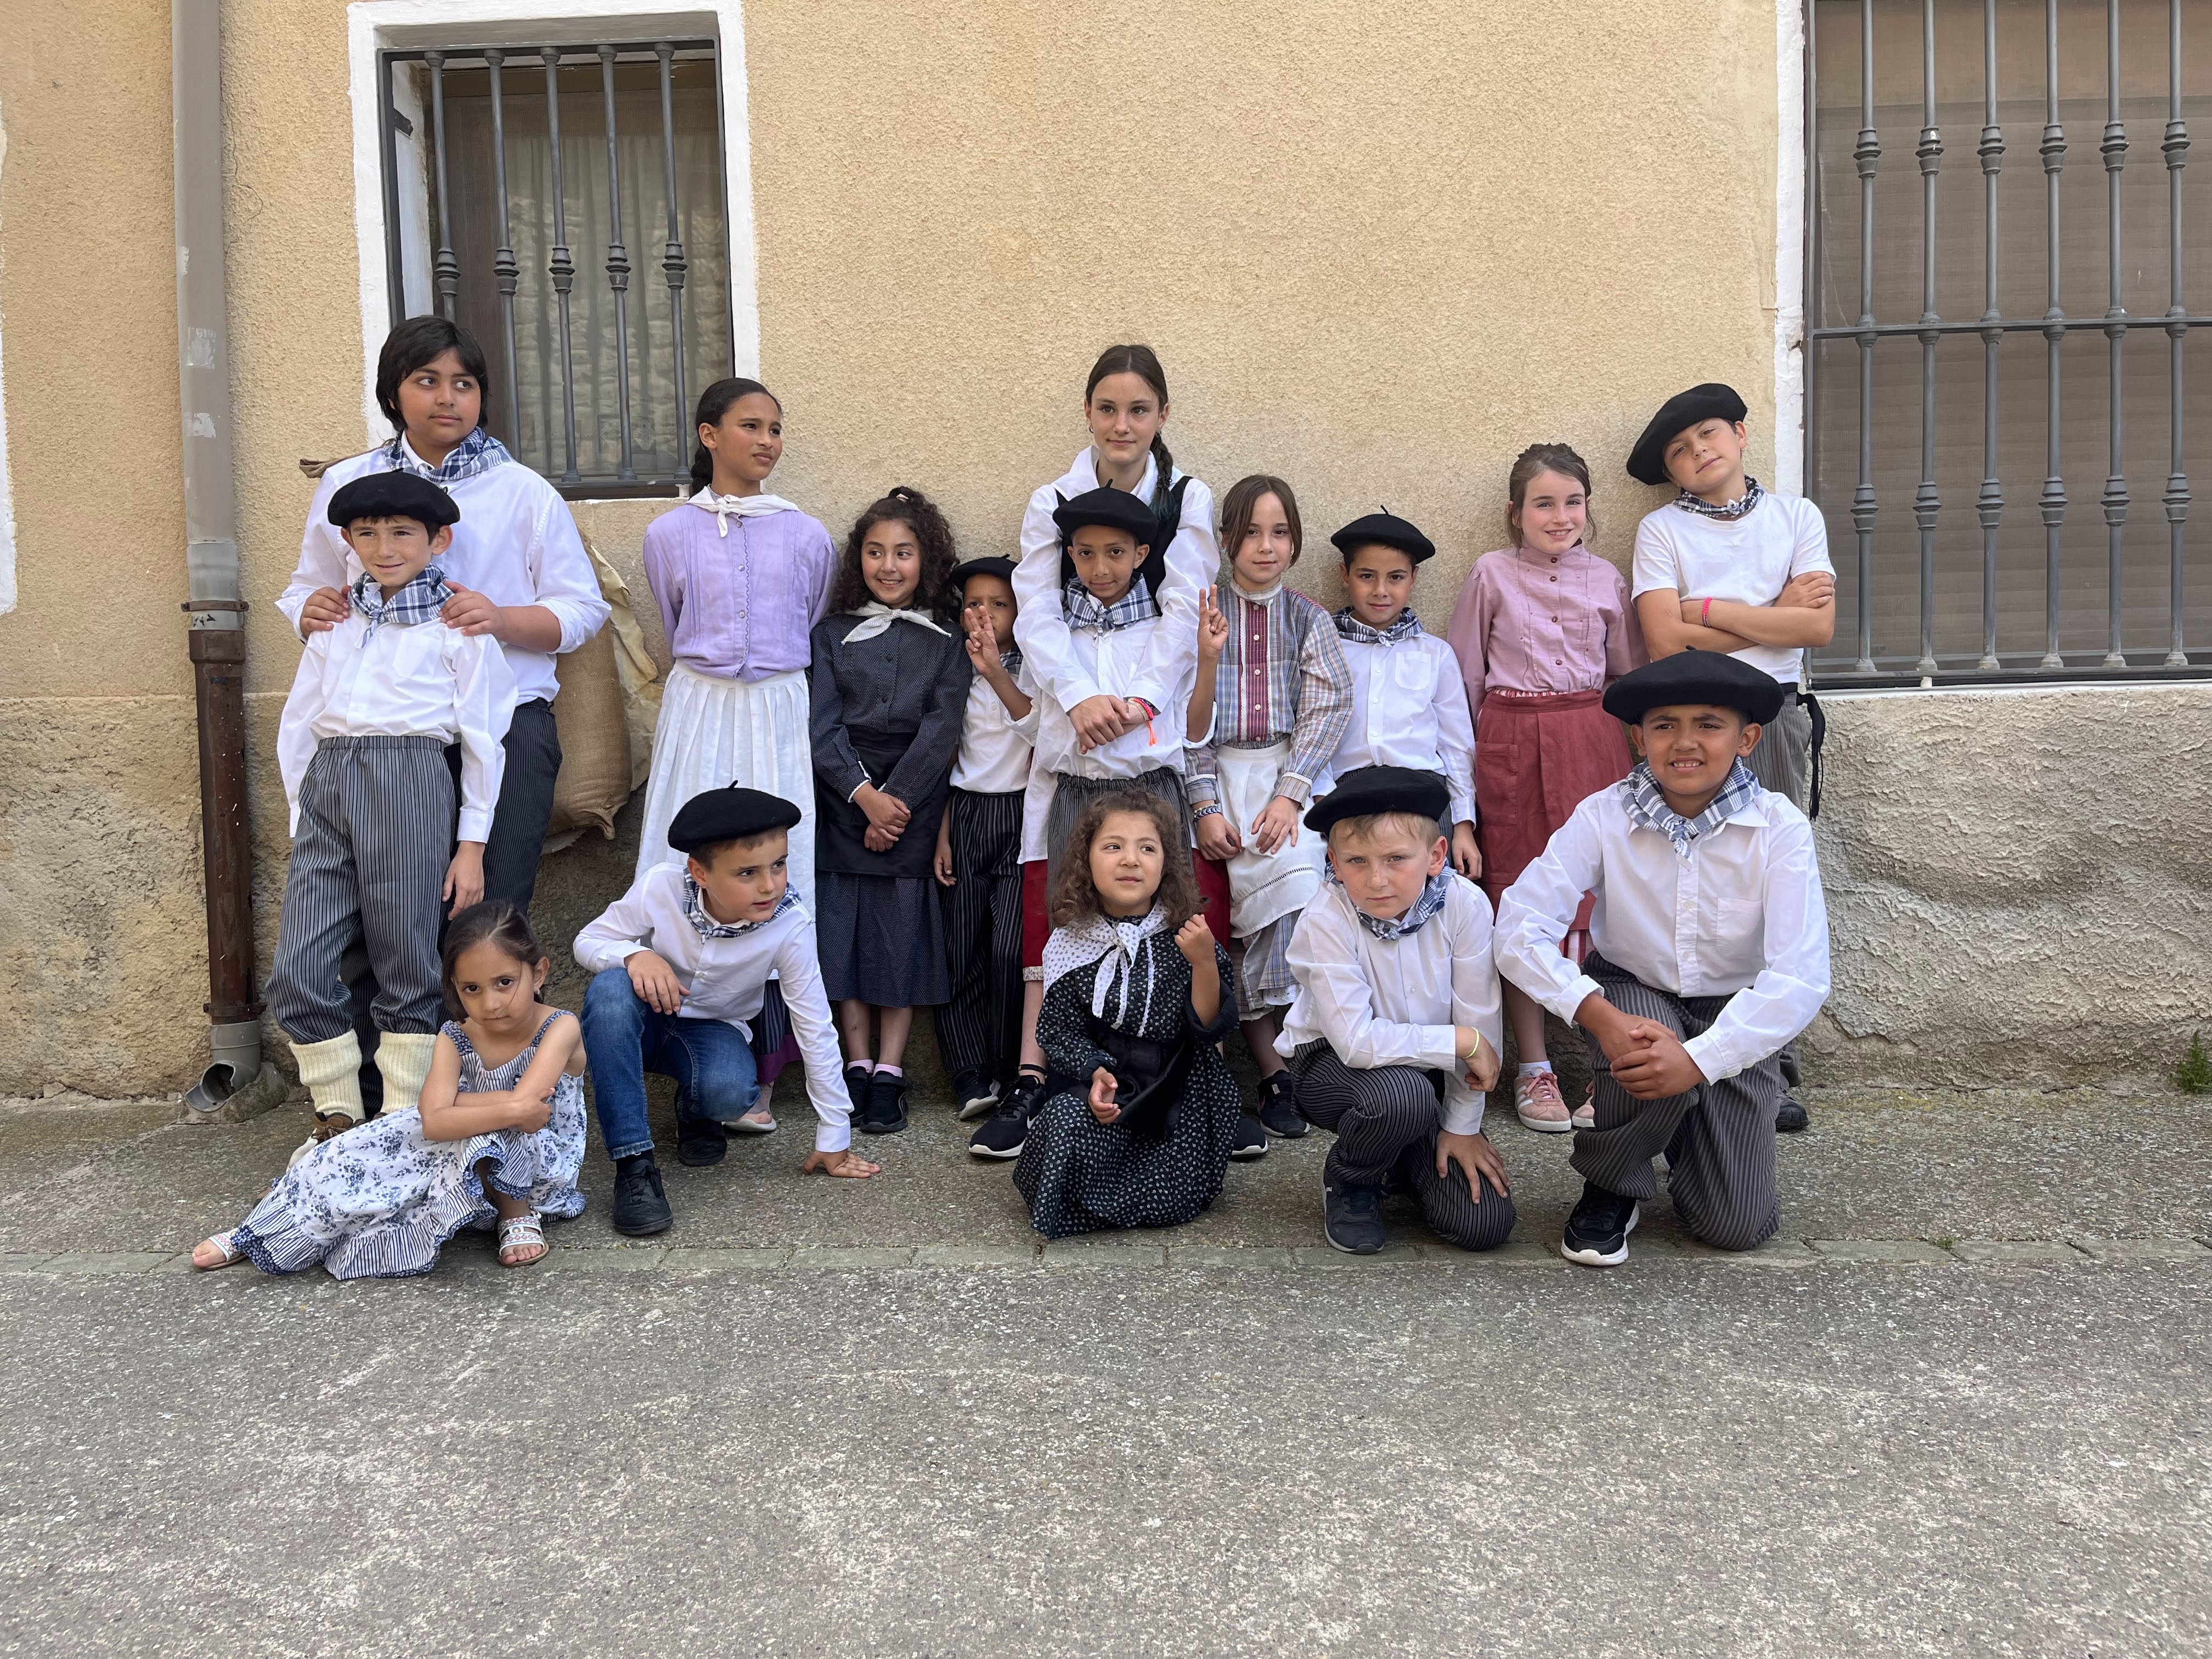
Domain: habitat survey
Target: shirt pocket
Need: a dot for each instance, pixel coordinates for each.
(1412, 674)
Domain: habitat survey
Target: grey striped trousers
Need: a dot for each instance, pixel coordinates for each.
(1386, 1121)
(979, 1028)
(368, 863)
(1718, 1137)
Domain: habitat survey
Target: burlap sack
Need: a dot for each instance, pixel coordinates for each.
(610, 700)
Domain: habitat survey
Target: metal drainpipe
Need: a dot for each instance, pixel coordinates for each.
(216, 612)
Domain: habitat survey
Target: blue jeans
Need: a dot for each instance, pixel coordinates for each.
(716, 1077)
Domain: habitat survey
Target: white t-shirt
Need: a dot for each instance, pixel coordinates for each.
(1749, 559)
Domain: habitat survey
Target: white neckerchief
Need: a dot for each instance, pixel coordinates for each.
(1093, 939)
(1266, 596)
(743, 506)
(880, 617)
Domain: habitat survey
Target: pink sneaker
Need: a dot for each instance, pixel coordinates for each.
(1586, 1113)
(1538, 1104)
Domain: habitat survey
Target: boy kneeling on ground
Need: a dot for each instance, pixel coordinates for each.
(1711, 953)
(1394, 1033)
(680, 964)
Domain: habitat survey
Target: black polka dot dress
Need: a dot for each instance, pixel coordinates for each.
(1077, 1175)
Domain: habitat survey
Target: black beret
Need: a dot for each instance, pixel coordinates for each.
(1117, 510)
(393, 495)
(1372, 789)
(1647, 462)
(1389, 531)
(1695, 676)
(993, 566)
(731, 814)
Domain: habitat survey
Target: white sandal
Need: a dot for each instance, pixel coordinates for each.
(231, 1254)
(521, 1229)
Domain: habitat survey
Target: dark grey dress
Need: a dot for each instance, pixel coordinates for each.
(886, 711)
(1078, 1174)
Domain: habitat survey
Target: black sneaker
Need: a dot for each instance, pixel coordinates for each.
(1790, 1117)
(640, 1206)
(1008, 1129)
(1279, 1106)
(976, 1094)
(1597, 1232)
(701, 1144)
(886, 1104)
(1251, 1140)
(1351, 1219)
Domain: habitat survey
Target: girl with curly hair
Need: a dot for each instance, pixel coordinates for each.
(1138, 997)
(889, 689)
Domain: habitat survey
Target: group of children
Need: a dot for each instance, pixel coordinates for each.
(1097, 807)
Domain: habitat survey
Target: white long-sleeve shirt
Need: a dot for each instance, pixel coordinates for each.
(994, 747)
(516, 543)
(1193, 560)
(426, 680)
(1409, 708)
(724, 979)
(1740, 915)
(1395, 1002)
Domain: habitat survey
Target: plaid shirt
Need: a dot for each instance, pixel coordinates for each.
(419, 601)
(1349, 627)
(1084, 610)
(1647, 807)
(1282, 675)
(695, 912)
(1432, 900)
(1738, 508)
(477, 452)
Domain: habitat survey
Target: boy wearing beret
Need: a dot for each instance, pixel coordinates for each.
(1393, 1034)
(1408, 697)
(377, 698)
(679, 964)
(1728, 566)
(1710, 952)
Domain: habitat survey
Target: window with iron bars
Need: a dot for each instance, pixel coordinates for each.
(2007, 385)
(528, 194)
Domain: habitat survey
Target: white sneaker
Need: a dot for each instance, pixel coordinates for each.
(1538, 1104)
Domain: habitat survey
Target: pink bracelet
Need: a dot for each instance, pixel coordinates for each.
(1706, 616)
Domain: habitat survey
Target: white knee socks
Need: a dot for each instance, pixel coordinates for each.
(332, 1072)
(403, 1058)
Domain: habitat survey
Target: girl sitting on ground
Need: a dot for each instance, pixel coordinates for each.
(498, 1136)
(1138, 998)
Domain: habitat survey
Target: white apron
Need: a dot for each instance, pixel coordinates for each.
(1263, 887)
(715, 733)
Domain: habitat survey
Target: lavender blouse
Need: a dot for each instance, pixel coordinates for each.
(739, 607)
(1530, 621)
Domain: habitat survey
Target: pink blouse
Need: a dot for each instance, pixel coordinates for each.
(1527, 620)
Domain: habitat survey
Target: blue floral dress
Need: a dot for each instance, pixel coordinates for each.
(378, 1201)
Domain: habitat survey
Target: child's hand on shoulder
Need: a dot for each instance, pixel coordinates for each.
(1104, 1087)
(1213, 627)
(1195, 940)
(465, 877)
(472, 613)
(326, 608)
(846, 1166)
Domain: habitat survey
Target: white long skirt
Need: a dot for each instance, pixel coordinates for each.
(715, 733)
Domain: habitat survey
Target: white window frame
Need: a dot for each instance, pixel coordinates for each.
(377, 26)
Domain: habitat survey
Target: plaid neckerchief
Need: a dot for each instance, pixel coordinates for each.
(1740, 507)
(1430, 903)
(1647, 808)
(477, 452)
(695, 912)
(1011, 660)
(422, 598)
(1084, 611)
(1350, 628)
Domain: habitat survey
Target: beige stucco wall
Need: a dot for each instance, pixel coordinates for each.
(1378, 252)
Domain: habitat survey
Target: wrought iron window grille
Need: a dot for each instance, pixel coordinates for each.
(517, 171)
(1913, 556)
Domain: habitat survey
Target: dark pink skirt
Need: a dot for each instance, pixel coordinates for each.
(1538, 755)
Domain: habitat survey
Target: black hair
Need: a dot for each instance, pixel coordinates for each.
(1144, 362)
(715, 402)
(933, 594)
(422, 340)
(494, 922)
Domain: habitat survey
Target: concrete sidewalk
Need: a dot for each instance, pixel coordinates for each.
(1946, 1431)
